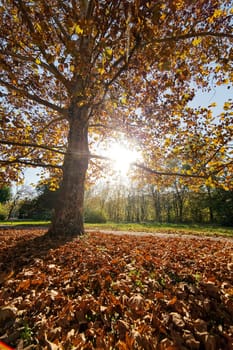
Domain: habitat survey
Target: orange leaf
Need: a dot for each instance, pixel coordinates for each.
(159, 295)
(23, 285)
(3, 346)
(172, 301)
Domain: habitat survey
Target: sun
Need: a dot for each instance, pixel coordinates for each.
(122, 157)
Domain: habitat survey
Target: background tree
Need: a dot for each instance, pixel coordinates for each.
(74, 67)
(5, 194)
(22, 194)
(137, 203)
(41, 206)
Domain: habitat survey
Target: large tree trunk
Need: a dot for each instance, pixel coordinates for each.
(68, 217)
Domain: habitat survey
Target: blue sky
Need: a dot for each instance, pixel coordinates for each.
(219, 94)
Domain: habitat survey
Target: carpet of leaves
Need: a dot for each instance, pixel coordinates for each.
(103, 291)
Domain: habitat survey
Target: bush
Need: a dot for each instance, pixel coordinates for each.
(94, 216)
(3, 212)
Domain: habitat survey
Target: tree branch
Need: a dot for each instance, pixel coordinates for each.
(135, 164)
(152, 171)
(167, 173)
(188, 36)
(52, 68)
(34, 98)
(124, 66)
(30, 163)
(34, 145)
(50, 123)
(49, 67)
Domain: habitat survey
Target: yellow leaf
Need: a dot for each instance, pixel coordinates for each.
(39, 139)
(217, 69)
(108, 51)
(227, 105)
(38, 27)
(78, 30)
(58, 49)
(163, 16)
(16, 19)
(72, 68)
(101, 70)
(218, 13)
(179, 4)
(38, 61)
(123, 100)
(196, 41)
(213, 104)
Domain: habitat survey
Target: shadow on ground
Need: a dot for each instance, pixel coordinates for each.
(20, 247)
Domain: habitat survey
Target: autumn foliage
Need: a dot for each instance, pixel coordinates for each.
(77, 73)
(122, 292)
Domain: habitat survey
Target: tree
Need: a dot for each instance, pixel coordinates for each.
(5, 194)
(71, 68)
(22, 193)
(41, 206)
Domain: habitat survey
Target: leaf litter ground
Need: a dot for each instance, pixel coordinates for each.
(103, 291)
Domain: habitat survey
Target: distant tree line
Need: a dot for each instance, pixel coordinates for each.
(124, 203)
(176, 204)
(5, 195)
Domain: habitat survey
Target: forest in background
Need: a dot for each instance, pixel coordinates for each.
(121, 202)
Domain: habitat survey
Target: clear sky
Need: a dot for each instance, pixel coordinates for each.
(220, 94)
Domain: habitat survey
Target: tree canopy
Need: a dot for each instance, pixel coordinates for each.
(75, 73)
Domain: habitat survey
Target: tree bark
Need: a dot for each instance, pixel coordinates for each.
(68, 216)
(210, 205)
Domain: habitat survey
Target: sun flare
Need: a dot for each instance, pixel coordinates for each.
(122, 157)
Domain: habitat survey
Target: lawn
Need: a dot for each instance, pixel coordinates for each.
(104, 291)
(209, 230)
(152, 227)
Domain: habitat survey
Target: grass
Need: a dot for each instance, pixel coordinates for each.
(166, 228)
(139, 227)
(15, 223)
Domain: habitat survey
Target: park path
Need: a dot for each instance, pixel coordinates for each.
(160, 234)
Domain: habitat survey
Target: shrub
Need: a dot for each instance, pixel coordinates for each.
(94, 216)
(3, 212)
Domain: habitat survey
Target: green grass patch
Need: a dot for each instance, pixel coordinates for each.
(15, 223)
(138, 227)
(166, 228)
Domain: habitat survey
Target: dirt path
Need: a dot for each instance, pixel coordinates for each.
(165, 235)
(162, 234)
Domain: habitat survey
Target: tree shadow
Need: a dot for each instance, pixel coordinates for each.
(20, 247)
